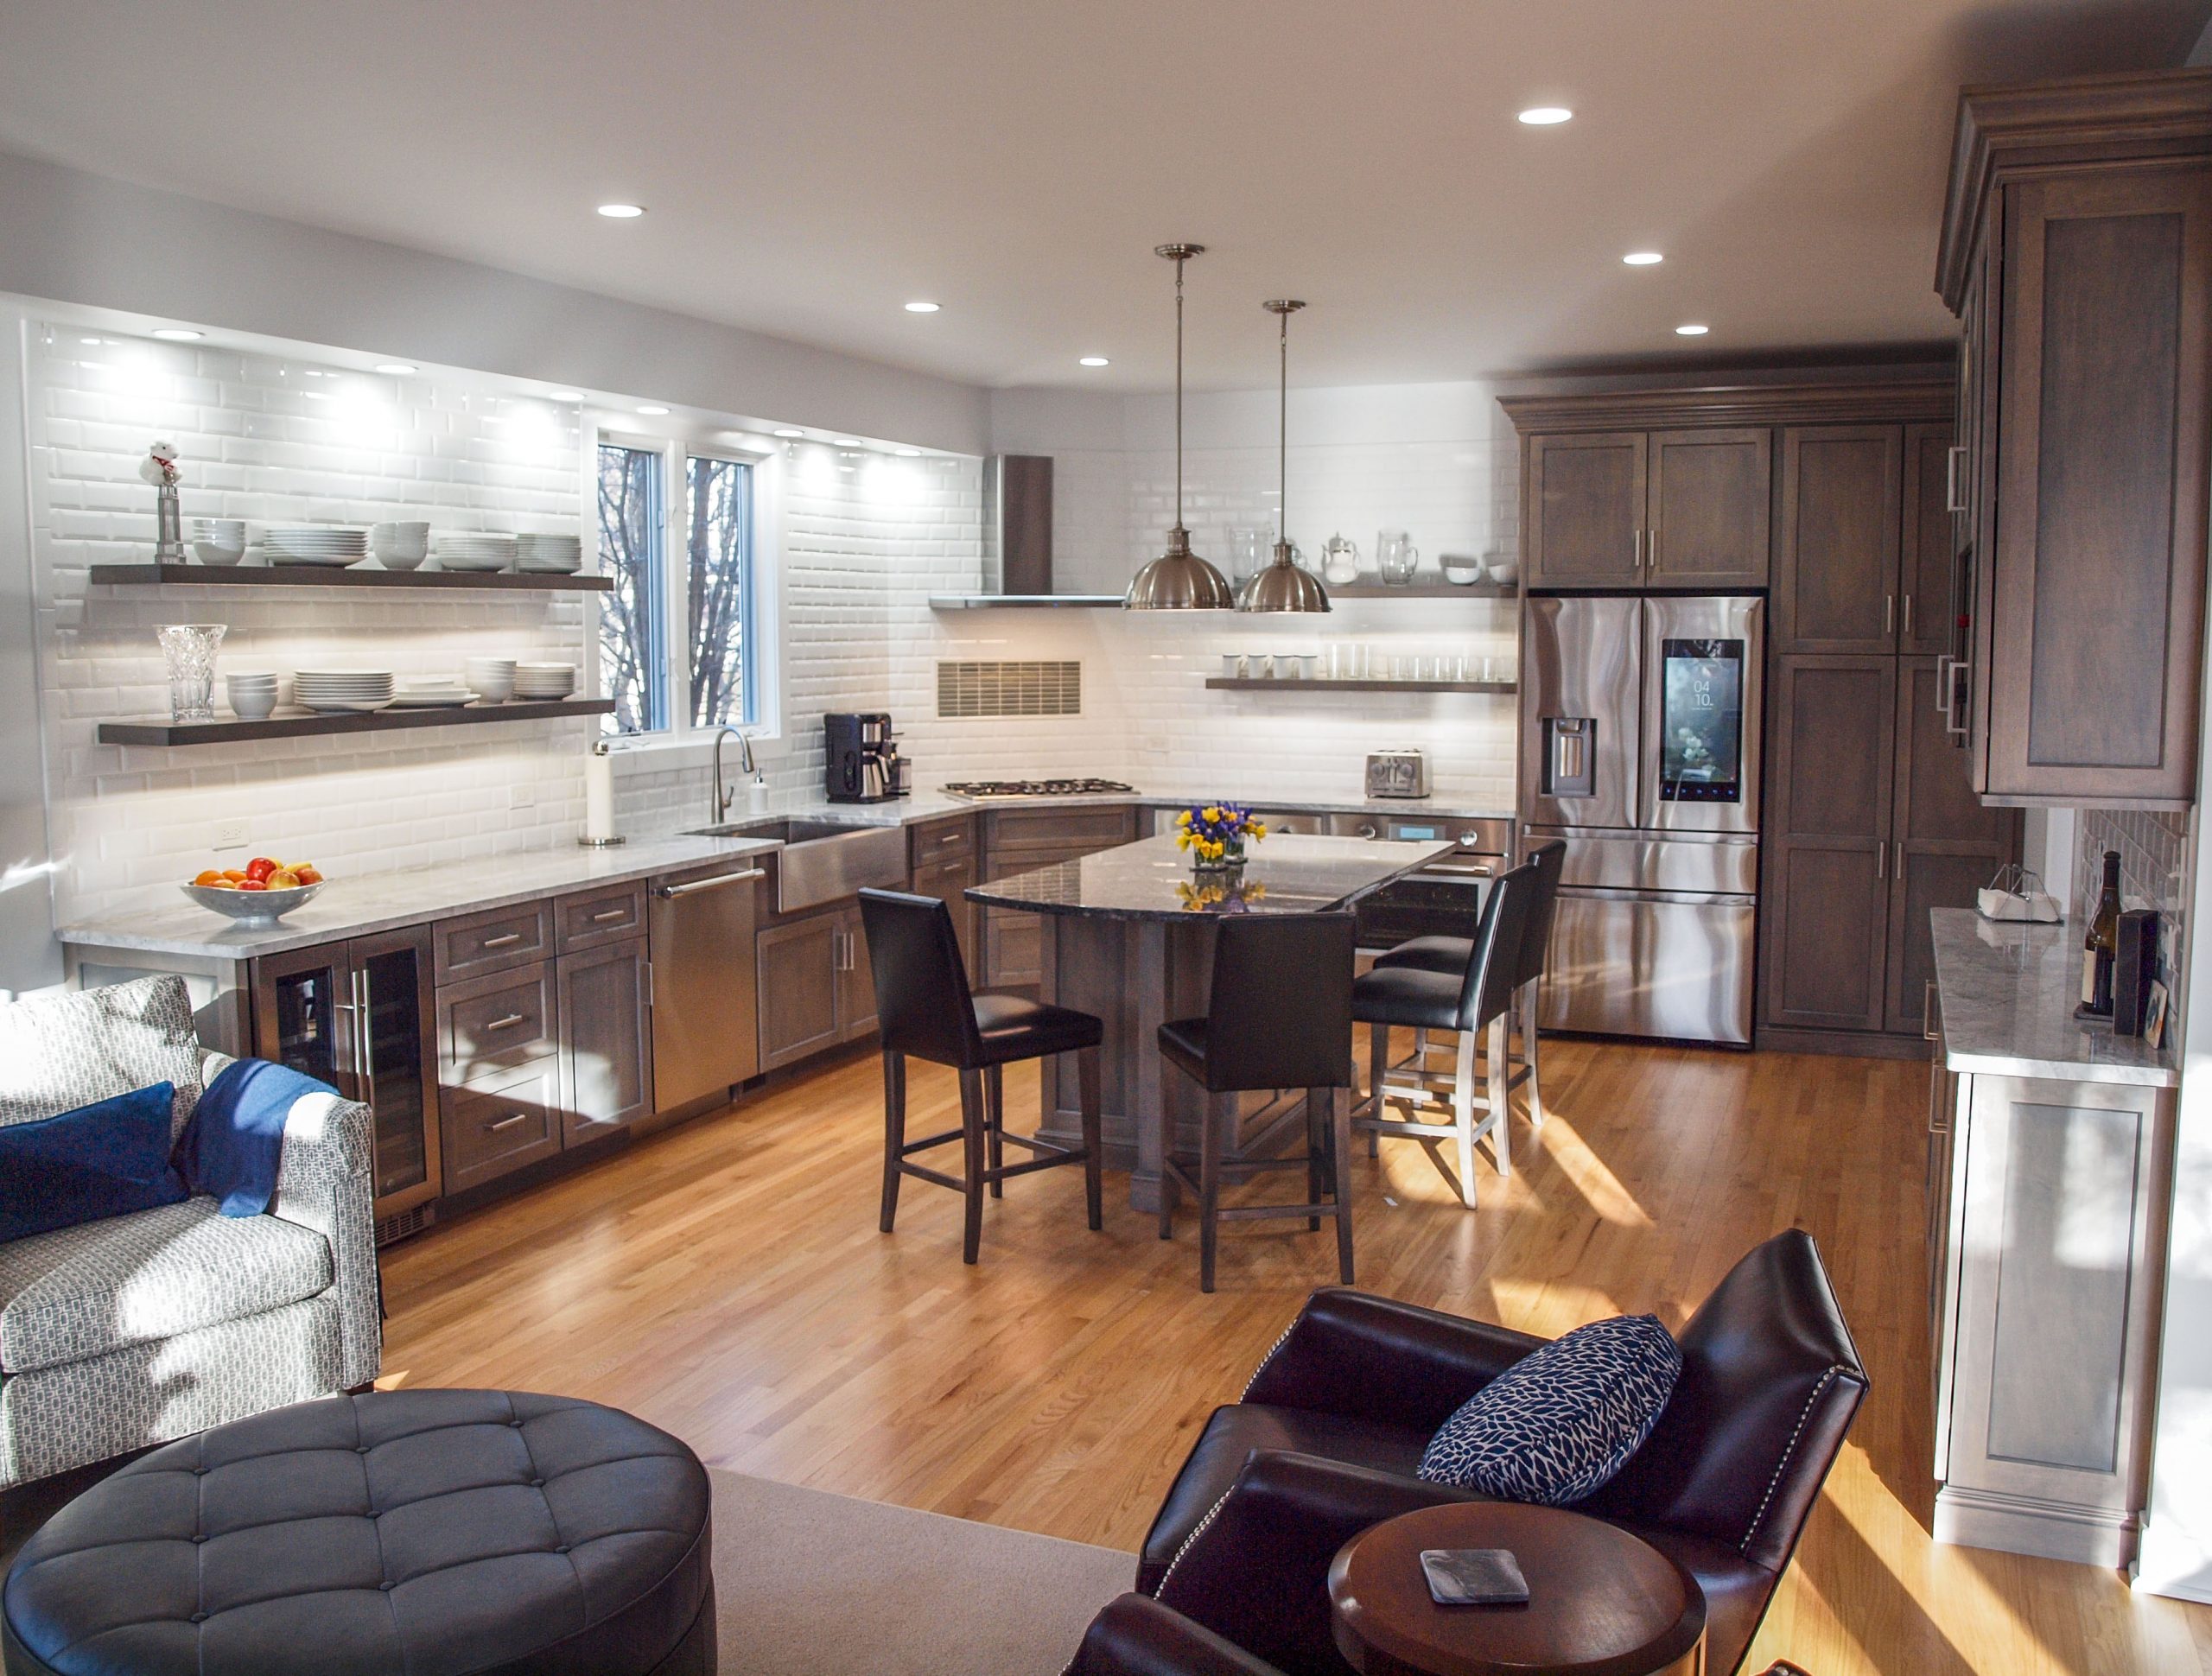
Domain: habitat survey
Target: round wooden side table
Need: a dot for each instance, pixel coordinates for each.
(1601, 1602)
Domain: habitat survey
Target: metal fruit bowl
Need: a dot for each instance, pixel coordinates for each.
(253, 907)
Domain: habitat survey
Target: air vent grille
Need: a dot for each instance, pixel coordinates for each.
(1010, 689)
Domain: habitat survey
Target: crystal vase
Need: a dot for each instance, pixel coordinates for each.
(190, 650)
(1230, 860)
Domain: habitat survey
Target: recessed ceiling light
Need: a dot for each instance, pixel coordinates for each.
(396, 369)
(1692, 331)
(1546, 116)
(88, 341)
(849, 441)
(1092, 360)
(1643, 258)
(909, 453)
(566, 396)
(652, 412)
(621, 211)
(922, 307)
(787, 433)
(177, 334)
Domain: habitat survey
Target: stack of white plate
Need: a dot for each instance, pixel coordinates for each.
(253, 694)
(492, 678)
(551, 555)
(427, 692)
(476, 552)
(342, 689)
(315, 543)
(545, 681)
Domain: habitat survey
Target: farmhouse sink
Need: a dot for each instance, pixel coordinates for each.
(821, 860)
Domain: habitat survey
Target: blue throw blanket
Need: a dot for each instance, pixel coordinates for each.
(235, 1141)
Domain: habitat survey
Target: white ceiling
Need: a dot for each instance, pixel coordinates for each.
(810, 167)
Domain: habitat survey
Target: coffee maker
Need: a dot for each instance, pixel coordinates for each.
(862, 764)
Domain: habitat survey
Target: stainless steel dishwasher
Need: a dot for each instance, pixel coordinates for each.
(706, 1035)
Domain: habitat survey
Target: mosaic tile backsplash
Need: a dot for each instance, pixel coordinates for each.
(2153, 873)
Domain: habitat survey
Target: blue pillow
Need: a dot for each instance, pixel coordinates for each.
(235, 1141)
(105, 1159)
(1557, 1424)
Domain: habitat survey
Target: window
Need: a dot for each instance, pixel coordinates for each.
(719, 547)
(633, 618)
(684, 596)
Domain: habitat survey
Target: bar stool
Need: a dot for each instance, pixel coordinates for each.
(926, 1008)
(1279, 1018)
(1474, 999)
(1450, 954)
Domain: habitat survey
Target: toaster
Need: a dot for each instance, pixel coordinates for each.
(1402, 774)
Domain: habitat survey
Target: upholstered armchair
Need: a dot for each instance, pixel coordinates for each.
(141, 1328)
(1330, 1430)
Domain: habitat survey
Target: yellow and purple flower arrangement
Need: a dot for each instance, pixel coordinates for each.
(1217, 832)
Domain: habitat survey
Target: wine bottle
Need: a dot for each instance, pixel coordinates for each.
(2100, 947)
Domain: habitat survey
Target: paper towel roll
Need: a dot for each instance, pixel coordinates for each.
(599, 795)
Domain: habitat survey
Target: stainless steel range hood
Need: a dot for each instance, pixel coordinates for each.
(1018, 540)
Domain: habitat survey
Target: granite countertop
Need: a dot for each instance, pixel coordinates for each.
(936, 805)
(2008, 992)
(364, 903)
(1287, 873)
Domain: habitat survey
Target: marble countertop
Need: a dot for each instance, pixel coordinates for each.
(1287, 873)
(2008, 993)
(370, 902)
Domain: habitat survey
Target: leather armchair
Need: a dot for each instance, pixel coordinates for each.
(1134, 1635)
(1330, 1433)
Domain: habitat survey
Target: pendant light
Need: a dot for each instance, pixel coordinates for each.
(1178, 579)
(1283, 586)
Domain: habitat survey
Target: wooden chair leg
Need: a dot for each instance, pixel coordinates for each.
(1462, 1114)
(1317, 1144)
(1500, 1097)
(1531, 997)
(1378, 1058)
(1164, 1120)
(1339, 1127)
(994, 1085)
(1094, 1140)
(1210, 1187)
(973, 1115)
(894, 1132)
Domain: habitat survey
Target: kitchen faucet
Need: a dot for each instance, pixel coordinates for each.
(720, 797)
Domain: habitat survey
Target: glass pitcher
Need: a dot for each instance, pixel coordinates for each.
(1396, 557)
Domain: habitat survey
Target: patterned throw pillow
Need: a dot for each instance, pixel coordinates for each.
(58, 1052)
(1557, 1424)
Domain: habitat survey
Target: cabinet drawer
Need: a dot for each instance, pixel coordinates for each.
(1061, 829)
(494, 941)
(601, 917)
(493, 1023)
(940, 840)
(501, 1126)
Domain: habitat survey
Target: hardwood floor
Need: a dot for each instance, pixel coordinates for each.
(726, 1280)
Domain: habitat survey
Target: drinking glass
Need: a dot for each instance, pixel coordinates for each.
(1248, 549)
(1397, 556)
(190, 650)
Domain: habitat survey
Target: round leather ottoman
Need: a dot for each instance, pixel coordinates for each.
(429, 1533)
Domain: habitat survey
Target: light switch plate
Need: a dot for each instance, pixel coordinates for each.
(232, 835)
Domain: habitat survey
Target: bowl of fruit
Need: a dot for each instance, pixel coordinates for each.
(260, 893)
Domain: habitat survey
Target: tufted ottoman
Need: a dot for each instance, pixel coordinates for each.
(429, 1533)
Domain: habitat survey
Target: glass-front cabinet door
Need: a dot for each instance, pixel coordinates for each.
(358, 1016)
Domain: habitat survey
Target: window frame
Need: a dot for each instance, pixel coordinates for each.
(682, 742)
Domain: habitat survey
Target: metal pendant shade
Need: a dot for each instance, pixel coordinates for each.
(1178, 579)
(1283, 586)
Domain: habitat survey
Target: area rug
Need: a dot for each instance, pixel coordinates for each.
(808, 1583)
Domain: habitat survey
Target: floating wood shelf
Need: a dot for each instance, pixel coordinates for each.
(328, 575)
(1024, 601)
(302, 724)
(1254, 683)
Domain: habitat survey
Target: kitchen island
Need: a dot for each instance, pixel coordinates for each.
(1129, 938)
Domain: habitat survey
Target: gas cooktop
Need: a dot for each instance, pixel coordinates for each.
(981, 791)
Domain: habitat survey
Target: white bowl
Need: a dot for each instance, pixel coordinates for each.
(223, 529)
(217, 552)
(253, 907)
(253, 706)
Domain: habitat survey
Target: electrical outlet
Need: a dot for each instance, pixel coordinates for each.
(233, 834)
(522, 796)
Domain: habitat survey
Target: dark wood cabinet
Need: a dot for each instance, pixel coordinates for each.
(1584, 510)
(949, 881)
(1022, 840)
(606, 1037)
(496, 1126)
(2077, 252)
(1926, 554)
(1835, 584)
(1709, 508)
(797, 964)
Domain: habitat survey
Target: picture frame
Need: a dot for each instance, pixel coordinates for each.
(2154, 1015)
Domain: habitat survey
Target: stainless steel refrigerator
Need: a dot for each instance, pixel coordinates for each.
(1640, 747)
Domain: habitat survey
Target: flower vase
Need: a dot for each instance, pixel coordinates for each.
(1230, 860)
(168, 526)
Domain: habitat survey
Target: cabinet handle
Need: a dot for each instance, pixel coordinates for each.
(1953, 500)
(1651, 550)
(364, 1032)
(506, 1122)
(1928, 1011)
(1882, 860)
(1636, 548)
(1956, 724)
(506, 939)
(507, 1023)
(1943, 663)
(1889, 614)
(606, 914)
(1907, 616)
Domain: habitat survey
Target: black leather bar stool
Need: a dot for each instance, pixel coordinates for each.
(925, 1008)
(1450, 954)
(1470, 1001)
(1279, 1018)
